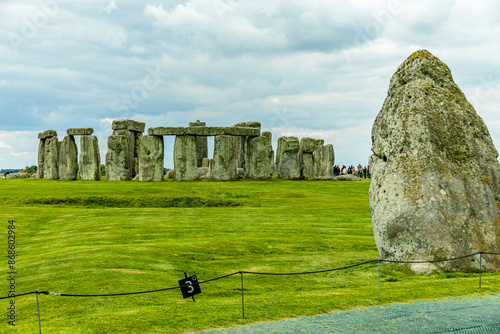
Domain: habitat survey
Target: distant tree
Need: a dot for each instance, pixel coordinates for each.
(103, 170)
(30, 169)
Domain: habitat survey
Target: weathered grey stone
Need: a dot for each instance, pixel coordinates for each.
(90, 159)
(131, 149)
(185, 165)
(80, 131)
(324, 160)
(225, 164)
(205, 162)
(137, 148)
(306, 149)
(51, 159)
(128, 124)
(260, 157)
(201, 144)
(255, 125)
(346, 177)
(151, 158)
(41, 159)
(287, 158)
(435, 174)
(240, 172)
(118, 158)
(18, 176)
(47, 134)
(203, 131)
(204, 173)
(68, 159)
(170, 174)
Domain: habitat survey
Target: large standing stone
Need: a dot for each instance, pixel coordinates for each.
(287, 158)
(436, 178)
(68, 159)
(51, 159)
(41, 159)
(259, 157)
(306, 149)
(118, 158)
(90, 159)
(151, 158)
(201, 144)
(240, 142)
(185, 164)
(225, 163)
(324, 160)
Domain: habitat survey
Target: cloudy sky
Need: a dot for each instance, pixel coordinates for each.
(316, 68)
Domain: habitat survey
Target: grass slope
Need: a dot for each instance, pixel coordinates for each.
(110, 237)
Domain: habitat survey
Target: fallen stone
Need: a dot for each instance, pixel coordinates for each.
(68, 159)
(90, 159)
(204, 173)
(435, 175)
(151, 158)
(225, 164)
(17, 176)
(80, 131)
(185, 164)
(287, 158)
(47, 134)
(346, 177)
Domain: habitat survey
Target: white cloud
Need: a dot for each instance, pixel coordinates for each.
(109, 8)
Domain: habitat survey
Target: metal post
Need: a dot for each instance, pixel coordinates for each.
(38, 309)
(378, 271)
(242, 297)
(480, 269)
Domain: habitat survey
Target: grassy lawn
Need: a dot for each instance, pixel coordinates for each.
(104, 237)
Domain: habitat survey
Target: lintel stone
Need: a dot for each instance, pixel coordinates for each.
(203, 131)
(128, 124)
(47, 134)
(80, 131)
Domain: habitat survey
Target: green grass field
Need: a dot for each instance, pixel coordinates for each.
(106, 237)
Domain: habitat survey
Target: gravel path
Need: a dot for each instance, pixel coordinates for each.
(478, 314)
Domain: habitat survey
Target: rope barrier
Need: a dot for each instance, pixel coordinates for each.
(241, 272)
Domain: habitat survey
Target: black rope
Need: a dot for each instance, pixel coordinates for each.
(309, 272)
(244, 272)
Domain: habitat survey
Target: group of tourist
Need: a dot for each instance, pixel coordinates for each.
(360, 172)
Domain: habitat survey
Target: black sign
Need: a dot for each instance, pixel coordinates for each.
(189, 286)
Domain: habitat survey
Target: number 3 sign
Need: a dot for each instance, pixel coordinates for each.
(189, 286)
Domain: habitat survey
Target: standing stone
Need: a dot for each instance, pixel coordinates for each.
(259, 157)
(287, 158)
(131, 149)
(90, 159)
(151, 158)
(134, 130)
(240, 142)
(185, 164)
(41, 159)
(435, 175)
(43, 136)
(51, 159)
(68, 159)
(118, 158)
(324, 160)
(201, 144)
(205, 162)
(225, 164)
(306, 149)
